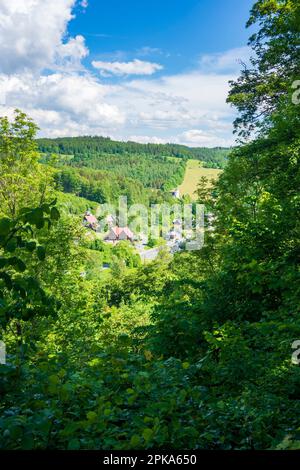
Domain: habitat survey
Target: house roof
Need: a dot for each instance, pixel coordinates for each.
(91, 219)
(119, 230)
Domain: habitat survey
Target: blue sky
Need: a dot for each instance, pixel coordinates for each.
(150, 71)
(179, 30)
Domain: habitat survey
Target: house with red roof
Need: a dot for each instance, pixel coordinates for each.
(116, 234)
(90, 221)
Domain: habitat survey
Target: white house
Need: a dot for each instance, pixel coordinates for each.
(175, 193)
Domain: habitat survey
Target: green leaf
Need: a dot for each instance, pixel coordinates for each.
(7, 279)
(74, 444)
(35, 216)
(31, 246)
(54, 379)
(19, 288)
(54, 214)
(185, 365)
(46, 208)
(135, 440)
(11, 245)
(147, 434)
(41, 253)
(18, 264)
(5, 226)
(27, 443)
(40, 223)
(91, 416)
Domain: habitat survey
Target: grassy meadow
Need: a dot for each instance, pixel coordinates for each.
(194, 171)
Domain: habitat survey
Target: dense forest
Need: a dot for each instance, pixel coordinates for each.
(89, 172)
(150, 172)
(101, 186)
(191, 351)
(86, 150)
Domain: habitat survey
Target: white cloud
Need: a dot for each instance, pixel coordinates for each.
(146, 139)
(75, 48)
(147, 50)
(184, 96)
(167, 107)
(135, 67)
(32, 32)
(200, 138)
(42, 72)
(225, 62)
(191, 138)
(63, 102)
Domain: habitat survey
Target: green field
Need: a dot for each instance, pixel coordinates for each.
(194, 171)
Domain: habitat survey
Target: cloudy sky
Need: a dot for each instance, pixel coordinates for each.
(143, 70)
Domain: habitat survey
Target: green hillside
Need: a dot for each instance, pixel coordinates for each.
(89, 149)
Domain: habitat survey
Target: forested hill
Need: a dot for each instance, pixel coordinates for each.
(87, 147)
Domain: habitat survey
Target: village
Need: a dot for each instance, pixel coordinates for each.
(148, 249)
(173, 239)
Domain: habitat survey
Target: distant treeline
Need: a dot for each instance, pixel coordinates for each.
(90, 146)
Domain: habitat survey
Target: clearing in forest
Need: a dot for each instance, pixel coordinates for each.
(194, 171)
